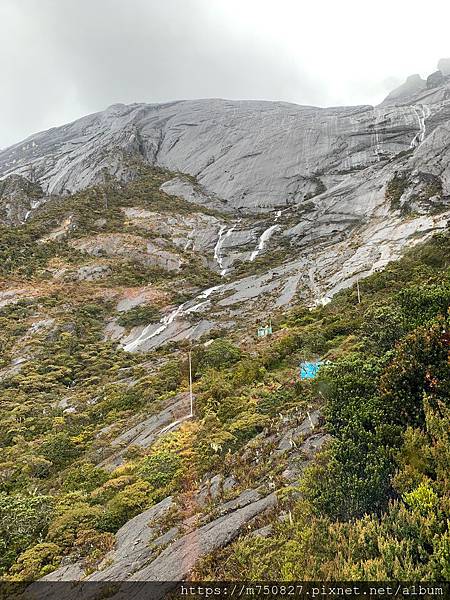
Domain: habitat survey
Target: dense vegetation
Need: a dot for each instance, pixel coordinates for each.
(29, 252)
(373, 505)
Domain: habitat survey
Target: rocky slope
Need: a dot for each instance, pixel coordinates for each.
(254, 156)
(154, 547)
(148, 224)
(329, 195)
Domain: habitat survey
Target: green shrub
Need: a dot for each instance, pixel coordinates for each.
(159, 469)
(64, 529)
(421, 303)
(139, 315)
(246, 426)
(36, 562)
(23, 521)
(352, 479)
(125, 505)
(383, 326)
(419, 365)
(85, 477)
(218, 355)
(59, 449)
(423, 499)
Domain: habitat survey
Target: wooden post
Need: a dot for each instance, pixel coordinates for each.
(190, 385)
(359, 293)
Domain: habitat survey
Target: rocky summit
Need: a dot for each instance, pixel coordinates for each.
(167, 271)
(338, 191)
(328, 170)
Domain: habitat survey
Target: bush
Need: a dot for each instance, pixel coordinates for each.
(159, 469)
(352, 479)
(421, 303)
(350, 387)
(218, 355)
(85, 477)
(59, 449)
(111, 487)
(125, 505)
(423, 499)
(23, 521)
(246, 426)
(93, 545)
(139, 315)
(419, 365)
(36, 562)
(65, 527)
(383, 326)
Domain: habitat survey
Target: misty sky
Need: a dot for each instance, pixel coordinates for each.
(61, 59)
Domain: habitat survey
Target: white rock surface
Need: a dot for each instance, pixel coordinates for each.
(252, 155)
(304, 184)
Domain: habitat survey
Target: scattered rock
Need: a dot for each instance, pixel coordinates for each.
(130, 247)
(288, 441)
(93, 272)
(146, 432)
(262, 532)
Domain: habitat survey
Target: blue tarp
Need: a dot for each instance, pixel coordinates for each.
(308, 370)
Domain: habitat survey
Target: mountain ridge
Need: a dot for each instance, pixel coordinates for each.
(346, 189)
(143, 249)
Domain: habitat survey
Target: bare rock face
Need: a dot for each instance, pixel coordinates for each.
(309, 188)
(435, 80)
(129, 246)
(184, 188)
(411, 86)
(415, 90)
(196, 232)
(255, 156)
(18, 197)
(181, 556)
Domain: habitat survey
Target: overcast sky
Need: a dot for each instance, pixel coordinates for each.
(61, 59)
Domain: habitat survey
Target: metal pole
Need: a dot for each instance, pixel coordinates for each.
(190, 385)
(359, 293)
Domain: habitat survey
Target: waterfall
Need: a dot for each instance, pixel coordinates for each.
(422, 113)
(218, 246)
(223, 235)
(265, 236)
(183, 309)
(263, 239)
(378, 143)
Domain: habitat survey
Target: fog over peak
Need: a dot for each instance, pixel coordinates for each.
(61, 59)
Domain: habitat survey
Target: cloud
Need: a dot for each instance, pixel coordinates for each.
(60, 59)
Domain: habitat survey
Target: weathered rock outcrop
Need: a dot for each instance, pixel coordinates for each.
(18, 197)
(315, 188)
(256, 156)
(154, 547)
(148, 252)
(411, 86)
